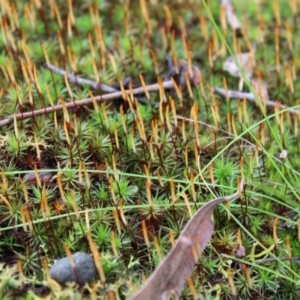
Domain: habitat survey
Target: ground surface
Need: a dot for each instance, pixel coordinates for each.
(120, 172)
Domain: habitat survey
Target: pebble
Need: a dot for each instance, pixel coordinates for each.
(84, 272)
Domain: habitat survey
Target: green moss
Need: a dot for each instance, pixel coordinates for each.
(111, 172)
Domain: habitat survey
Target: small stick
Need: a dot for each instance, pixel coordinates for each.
(93, 84)
(168, 84)
(250, 97)
(183, 67)
(81, 81)
(25, 115)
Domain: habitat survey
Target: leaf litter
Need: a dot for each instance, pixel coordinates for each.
(169, 278)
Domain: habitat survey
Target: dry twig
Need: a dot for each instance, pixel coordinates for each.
(251, 98)
(115, 94)
(74, 104)
(81, 81)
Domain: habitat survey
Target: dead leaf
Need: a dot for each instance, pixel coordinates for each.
(44, 177)
(232, 19)
(245, 61)
(170, 276)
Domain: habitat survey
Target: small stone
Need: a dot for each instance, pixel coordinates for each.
(84, 270)
(240, 252)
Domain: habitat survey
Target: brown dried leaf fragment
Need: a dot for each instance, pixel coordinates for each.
(244, 61)
(232, 19)
(170, 276)
(44, 177)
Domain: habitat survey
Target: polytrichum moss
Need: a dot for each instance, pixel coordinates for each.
(115, 172)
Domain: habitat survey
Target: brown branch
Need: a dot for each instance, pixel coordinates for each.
(251, 98)
(219, 91)
(92, 84)
(150, 88)
(183, 68)
(81, 81)
(270, 259)
(115, 94)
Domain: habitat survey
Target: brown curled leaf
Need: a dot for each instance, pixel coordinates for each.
(244, 61)
(232, 19)
(169, 278)
(44, 177)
